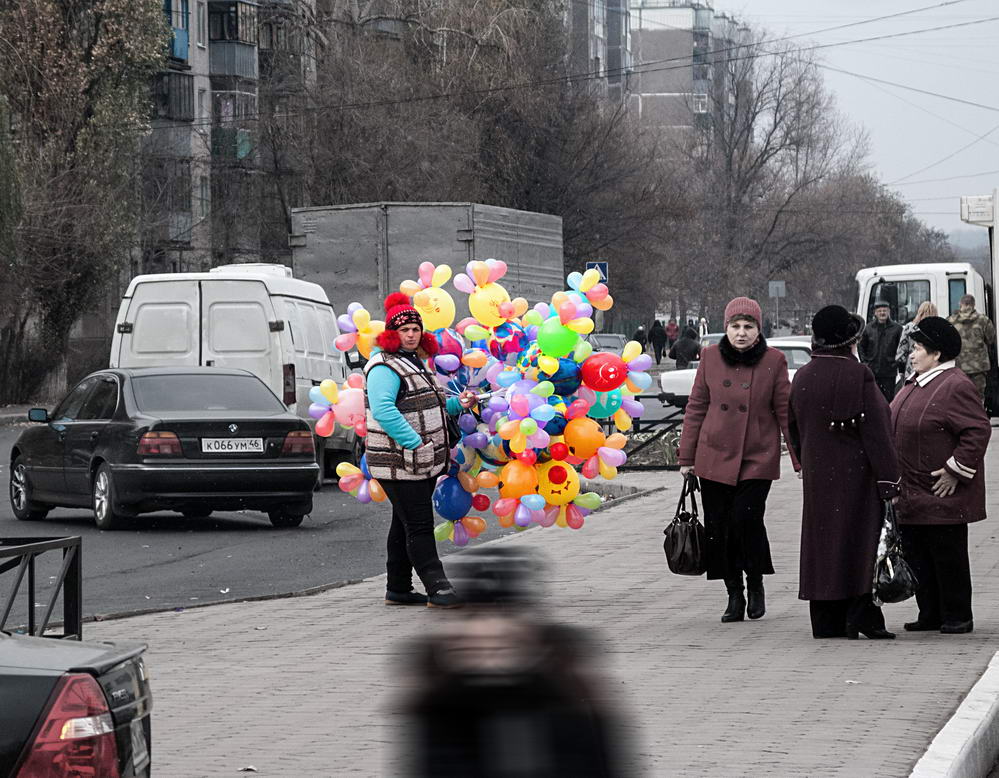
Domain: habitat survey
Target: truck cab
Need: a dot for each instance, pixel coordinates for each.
(905, 287)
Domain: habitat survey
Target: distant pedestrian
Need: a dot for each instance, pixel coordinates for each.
(686, 350)
(658, 338)
(841, 431)
(977, 335)
(905, 342)
(731, 441)
(703, 327)
(402, 397)
(672, 331)
(878, 347)
(641, 336)
(941, 435)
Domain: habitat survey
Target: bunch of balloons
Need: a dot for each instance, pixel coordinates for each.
(331, 404)
(358, 329)
(358, 482)
(549, 392)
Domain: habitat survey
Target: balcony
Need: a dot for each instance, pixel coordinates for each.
(232, 58)
(179, 44)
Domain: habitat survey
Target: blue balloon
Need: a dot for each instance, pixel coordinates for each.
(568, 377)
(451, 500)
(543, 413)
(508, 378)
(533, 501)
(364, 466)
(318, 397)
(556, 426)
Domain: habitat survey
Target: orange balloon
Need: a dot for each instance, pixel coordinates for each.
(517, 479)
(474, 358)
(583, 436)
(376, 491)
(617, 440)
(603, 305)
(509, 429)
(506, 521)
(488, 480)
(474, 524)
(468, 483)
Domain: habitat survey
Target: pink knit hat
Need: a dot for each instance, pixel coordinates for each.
(744, 306)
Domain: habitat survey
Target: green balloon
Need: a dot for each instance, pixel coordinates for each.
(589, 500)
(528, 426)
(443, 531)
(544, 389)
(555, 340)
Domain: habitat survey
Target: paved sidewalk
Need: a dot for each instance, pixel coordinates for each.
(303, 687)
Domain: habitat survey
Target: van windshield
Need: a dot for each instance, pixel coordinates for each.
(193, 392)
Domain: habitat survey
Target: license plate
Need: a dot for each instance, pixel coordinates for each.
(140, 751)
(232, 445)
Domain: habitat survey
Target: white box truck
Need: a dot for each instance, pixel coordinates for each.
(252, 316)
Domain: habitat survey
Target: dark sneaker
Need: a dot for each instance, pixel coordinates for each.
(958, 628)
(405, 598)
(444, 598)
(920, 626)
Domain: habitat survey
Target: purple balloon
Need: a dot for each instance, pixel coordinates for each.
(460, 534)
(317, 411)
(346, 323)
(522, 516)
(612, 456)
(446, 363)
(640, 363)
(467, 422)
(364, 492)
(632, 407)
(354, 307)
(583, 310)
(477, 440)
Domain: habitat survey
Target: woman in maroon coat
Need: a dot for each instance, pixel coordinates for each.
(841, 432)
(731, 442)
(941, 434)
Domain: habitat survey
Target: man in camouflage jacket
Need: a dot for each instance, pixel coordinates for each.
(977, 335)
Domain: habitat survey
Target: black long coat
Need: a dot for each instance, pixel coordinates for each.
(840, 427)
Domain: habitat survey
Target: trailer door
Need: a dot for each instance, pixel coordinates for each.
(160, 327)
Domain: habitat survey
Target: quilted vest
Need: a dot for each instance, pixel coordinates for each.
(422, 403)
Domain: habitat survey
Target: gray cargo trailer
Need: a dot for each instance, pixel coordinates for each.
(363, 252)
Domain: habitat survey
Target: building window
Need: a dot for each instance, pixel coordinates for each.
(202, 24)
(173, 97)
(699, 104)
(176, 11)
(202, 94)
(204, 195)
(232, 22)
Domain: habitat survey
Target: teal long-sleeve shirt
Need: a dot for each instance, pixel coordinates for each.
(383, 389)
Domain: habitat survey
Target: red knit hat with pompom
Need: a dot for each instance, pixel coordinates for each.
(398, 313)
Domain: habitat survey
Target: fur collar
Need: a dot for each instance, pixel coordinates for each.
(733, 356)
(388, 340)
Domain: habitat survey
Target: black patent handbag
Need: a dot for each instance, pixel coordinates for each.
(685, 542)
(894, 580)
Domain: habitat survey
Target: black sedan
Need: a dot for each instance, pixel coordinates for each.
(193, 440)
(71, 708)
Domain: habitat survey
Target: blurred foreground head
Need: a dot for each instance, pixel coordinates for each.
(497, 574)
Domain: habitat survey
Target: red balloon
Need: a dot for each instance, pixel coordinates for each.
(559, 451)
(527, 456)
(604, 371)
(480, 502)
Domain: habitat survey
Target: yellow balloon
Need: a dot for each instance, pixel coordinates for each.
(608, 472)
(560, 521)
(631, 350)
(583, 326)
(410, 287)
(480, 272)
(558, 298)
(345, 468)
(622, 420)
(558, 482)
(518, 443)
(520, 306)
(442, 274)
(361, 318)
(329, 390)
(590, 279)
(365, 342)
(435, 306)
(548, 364)
(485, 301)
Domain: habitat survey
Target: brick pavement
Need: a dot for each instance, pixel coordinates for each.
(304, 686)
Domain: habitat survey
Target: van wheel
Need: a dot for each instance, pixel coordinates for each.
(105, 515)
(281, 519)
(21, 504)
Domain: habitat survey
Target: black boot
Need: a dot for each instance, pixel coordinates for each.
(757, 604)
(736, 609)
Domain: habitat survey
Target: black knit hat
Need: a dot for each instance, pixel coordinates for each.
(938, 334)
(835, 327)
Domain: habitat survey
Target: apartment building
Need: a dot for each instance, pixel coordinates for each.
(600, 44)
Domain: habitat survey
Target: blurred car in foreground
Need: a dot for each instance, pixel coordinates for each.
(607, 341)
(70, 708)
(134, 440)
(676, 384)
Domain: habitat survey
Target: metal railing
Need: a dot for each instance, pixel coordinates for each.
(661, 427)
(20, 554)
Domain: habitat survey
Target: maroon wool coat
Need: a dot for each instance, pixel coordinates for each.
(841, 431)
(734, 419)
(942, 424)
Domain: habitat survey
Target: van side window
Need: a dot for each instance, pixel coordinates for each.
(295, 323)
(313, 330)
(956, 289)
(329, 332)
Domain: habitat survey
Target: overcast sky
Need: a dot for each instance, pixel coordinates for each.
(908, 130)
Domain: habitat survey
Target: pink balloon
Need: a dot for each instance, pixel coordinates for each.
(361, 428)
(506, 310)
(567, 312)
(550, 516)
(587, 395)
(497, 269)
(577, 409)
(464, 284)
(539, 439)
(346, 341)
(612, 456)
(324, 427)
(591, 467)
(598, 292)
(350, 405)
(355, 381)
(504, 506)
(349, 483)
(426, 273)
(520, 405)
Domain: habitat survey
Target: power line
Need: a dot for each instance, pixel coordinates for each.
(945, 158)
(949, 178)
(910, 88)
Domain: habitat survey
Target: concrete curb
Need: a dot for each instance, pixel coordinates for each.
(968, 744)
(7, 419)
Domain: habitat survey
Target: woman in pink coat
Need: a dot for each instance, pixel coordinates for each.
(731, 441)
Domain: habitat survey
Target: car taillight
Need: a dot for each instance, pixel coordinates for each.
(154, 444)
(76, 737)
(288, 382)
(298, 443)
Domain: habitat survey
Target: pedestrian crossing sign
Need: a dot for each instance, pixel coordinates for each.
(600, 267)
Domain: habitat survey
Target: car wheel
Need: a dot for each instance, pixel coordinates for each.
(197, 513)
(23, 506)
(105, 515)
(282, 519)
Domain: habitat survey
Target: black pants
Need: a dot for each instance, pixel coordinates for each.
(886, 383)
(411, 543)
(938, 554)
(733, 523)
(831, 617)
(659, 348)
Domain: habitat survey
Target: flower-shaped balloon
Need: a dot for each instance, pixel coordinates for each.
(358, 482)
(346, 406)
(358, 329)
(489, 302)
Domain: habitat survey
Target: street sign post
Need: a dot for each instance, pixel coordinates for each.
(778, 289)
(601, 267)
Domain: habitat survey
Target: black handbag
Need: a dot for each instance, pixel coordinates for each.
(452, 429)
(685, 544)
(894, 580)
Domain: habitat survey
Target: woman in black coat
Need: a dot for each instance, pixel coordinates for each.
(841, 431)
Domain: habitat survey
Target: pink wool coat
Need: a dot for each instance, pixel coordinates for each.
(735, 417)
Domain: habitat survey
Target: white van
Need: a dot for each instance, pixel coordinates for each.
(251, 316)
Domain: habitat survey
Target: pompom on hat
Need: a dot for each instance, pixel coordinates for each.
(746, 307)
(399, 312)
(938, 334)
(835, 327)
